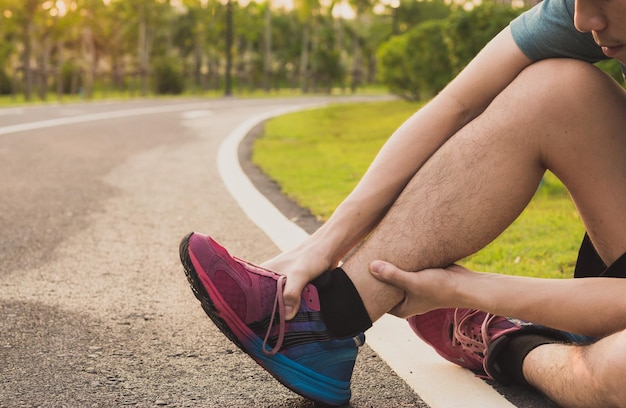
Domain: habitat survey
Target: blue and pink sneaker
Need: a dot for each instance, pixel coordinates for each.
(246, 303)
(464, 336)
(472, 338)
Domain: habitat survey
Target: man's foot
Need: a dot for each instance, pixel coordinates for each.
(468, 337)
(246, 303)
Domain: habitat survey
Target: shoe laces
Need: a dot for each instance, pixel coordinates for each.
(464, 333)
(279, 307)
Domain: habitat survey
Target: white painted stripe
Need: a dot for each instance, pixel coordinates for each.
(22, 127)
(198, 114)
(438, 382)
(11, 111)
(284, 233)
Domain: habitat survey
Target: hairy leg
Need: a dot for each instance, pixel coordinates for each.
(580, 376)
(561, 115)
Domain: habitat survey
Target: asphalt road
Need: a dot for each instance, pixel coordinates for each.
(94, 307)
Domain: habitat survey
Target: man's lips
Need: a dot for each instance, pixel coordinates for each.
(611, 50)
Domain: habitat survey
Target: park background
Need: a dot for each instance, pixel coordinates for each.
(81, 50)
(55, 49)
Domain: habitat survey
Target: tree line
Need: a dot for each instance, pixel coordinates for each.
(59, 47)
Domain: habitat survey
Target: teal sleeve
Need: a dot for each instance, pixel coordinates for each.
(547, 31)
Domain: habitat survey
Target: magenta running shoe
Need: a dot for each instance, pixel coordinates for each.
(468, 337)
(246, 303)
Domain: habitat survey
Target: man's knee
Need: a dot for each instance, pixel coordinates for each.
(570, 106)
(553, 84)
(565, 75)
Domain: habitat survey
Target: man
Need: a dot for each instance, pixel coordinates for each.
(447, 182)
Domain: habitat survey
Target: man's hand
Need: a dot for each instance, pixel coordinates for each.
(423, 291)
(301, 265)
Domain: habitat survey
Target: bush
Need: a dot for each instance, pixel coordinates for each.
(420, 63)
(413, 65)
(467, 32)
(5, 83)
(168, 76)
(71, 77)
(328, 69)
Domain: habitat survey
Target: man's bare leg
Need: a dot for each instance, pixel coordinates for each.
(580, 376)
(561, 115)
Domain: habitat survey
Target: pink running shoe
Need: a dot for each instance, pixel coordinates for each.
(246, 303)
(467, 337)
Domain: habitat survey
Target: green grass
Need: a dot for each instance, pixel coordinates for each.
(318, 156)
(542, 242)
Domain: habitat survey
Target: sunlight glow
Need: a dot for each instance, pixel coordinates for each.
(282, 4)
(61, 7)
(56, 8)
(343, 10)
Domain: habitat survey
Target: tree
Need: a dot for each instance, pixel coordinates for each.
(410, 13)
(229, 48)
(8, 40)
(420, 62)
(467, 32)
(111, 26)
(25, 14)
(287, 48)
(328, 69)
(249, 35)
(307, 11)
(361, 26)
(267, 45)
(413, 65)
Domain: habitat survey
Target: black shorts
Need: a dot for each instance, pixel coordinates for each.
(589, 263)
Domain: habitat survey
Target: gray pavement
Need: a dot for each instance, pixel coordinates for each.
(94, 307)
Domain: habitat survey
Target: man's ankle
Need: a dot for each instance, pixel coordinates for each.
(342, 308)
(509, 359)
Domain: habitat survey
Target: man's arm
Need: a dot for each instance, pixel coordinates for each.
(492, 70)
(589, 306)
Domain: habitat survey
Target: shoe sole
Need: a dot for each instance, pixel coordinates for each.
(292, 375)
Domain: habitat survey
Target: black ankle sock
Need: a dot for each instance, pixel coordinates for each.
(342, 308)
(511, 357)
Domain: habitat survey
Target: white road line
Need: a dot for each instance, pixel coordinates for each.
(438, 382)
(257, 207)
(42, 124)
(11, 111)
